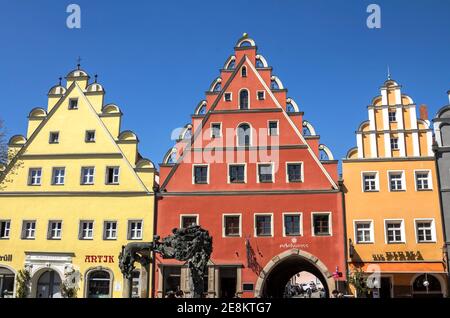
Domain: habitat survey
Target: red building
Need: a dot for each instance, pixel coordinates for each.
(253, 173)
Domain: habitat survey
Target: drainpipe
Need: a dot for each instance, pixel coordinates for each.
(341, 187)
(155, 222)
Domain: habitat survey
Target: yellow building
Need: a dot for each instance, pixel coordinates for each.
(393, 218)
(76, 190)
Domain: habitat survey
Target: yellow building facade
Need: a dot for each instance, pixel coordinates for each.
(393, 219)
(75, 191)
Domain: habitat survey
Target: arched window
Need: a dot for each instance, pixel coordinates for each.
(231, 65)
(274, 85)
(99, 284)
(445, 135)
(6, 283)
(243, 99)
(259, 63)
(426, 285)
(217, 87)
(202, 110)
(49, 285)
(306, 131)
(244, 135)
(246, 44)
(290, 108)
(323, 155)
(244, 71)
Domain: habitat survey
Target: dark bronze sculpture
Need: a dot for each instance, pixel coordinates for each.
(192, 244)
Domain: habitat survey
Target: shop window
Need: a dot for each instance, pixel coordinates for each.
(99, 284)
(6, 283)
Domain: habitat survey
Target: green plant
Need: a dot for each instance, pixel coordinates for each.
(70, 284)
(358, 280)
(23, 283)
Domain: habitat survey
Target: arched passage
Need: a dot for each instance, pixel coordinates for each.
(277, 273)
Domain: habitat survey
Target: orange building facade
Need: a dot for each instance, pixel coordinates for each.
(393, 219)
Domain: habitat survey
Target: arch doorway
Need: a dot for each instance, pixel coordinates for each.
(427, 286)
(280, 270)
(7, 278)
(49, 285)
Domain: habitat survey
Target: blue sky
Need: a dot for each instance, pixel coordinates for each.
(157, 58)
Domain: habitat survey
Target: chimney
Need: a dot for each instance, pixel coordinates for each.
(423, 110)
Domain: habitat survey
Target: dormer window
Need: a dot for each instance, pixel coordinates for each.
(54, 137)
(73, 103)
(244, 71)
(90, 136)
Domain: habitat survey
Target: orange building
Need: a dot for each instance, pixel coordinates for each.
(393, 219)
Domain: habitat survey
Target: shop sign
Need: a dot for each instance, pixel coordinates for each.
(99, 259)
(398, 256)
(6, 258)
(294, 244)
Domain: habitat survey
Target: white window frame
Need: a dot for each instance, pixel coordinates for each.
(278, 127)
(251, 134)
(257, 171)
(7, 229)
(302, 171)
(246, 71)
(82, 175)
(27, 232)
(330, 223)
(236, 164)
(82, 231)
(377, 181)
(239, 99)
(371, 230)
(433, 230)
(300, 214)
(231, 97)
(223, 225)
(130, 230)
(30, 177)
(430, 179)
(264, 94)
(271, 225)
(395, 116)
(389, 172)
(391, 142)
(197, 218)
(212, 130)
(51, 232)
(59, 177)
(106, 231)
(402, 230)
(193, 173)
(114, 175)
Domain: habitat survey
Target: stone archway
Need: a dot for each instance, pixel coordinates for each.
(283, 266)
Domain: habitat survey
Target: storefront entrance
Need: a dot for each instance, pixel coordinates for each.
(99, 284)
(49, 285)
(6, 283)
(427, 286)
(228, 282)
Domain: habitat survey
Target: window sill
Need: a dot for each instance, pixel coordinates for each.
(28, 238)
(393, 243)
(86, 184)
(365, 243)
(322, 235)
(135, 239)
(237, 182)
(54, 239)
(293, 235)
(232, 236)
(295, 181)
(371, 191)
(264, 236)
(113, 184)
(86, 239)
(427, 242)
(110, 239)
(424, 190)
(34, 185)
(200, 183)
(4, 238)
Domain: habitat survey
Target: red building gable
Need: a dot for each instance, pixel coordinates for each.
(246, 170)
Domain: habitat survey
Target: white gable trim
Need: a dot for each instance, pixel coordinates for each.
(292, 123)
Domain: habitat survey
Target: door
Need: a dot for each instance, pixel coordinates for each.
(228, 281)
(49, 285)
(385, 287)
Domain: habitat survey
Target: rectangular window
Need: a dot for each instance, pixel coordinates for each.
(396, 181)
(370, 181)
(188, 220)
(227, 97)
(423, 181)
(261, 95)
(73, 103)
(273, 128)
(392, 116)
(394, 231)
(34, 176)
(363, 231)
(292, 224)
(110, 230)
(29, 230)
(112, 175)
(86, 230)
(134, 230)
(263, 225)
(54, 230)
(425, 231)
(58, 176)
(394, 143)
(87, 175)
(54, 137)
(265, 173)
(294, 172)
(5, 228)
(321, 224)
(237, 173)
(216, 130)
(90, 136)
(200, 174)
(232, 224)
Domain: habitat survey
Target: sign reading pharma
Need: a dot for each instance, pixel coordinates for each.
(6, 258)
